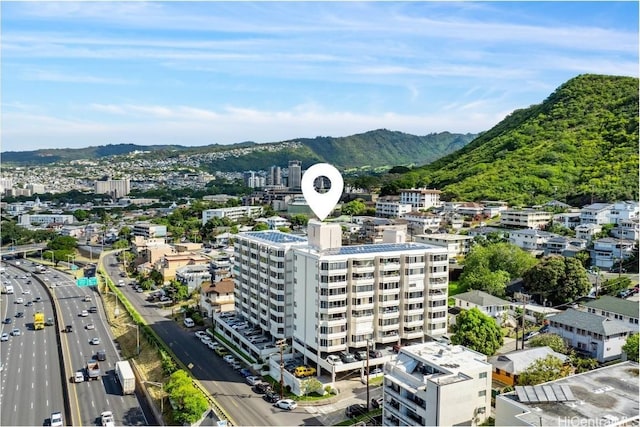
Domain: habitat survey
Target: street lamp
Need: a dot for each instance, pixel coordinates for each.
(53, 257)
(137, 336)
(281, 343)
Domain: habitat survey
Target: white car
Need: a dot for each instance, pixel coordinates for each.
(90, 326)
(19, 300)
(4, 337)
(212, 345)
(107, 419)
(205, 339)
(16, 332)
(253, 380)
(56, 419)
(84, 313)
(26, 292)
(287, 404)
(94, 341)
(229, 358)
(334, 360)
(200, 334)
(78, 377)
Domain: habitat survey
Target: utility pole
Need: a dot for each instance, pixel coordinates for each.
(368, 400)
(281, 343)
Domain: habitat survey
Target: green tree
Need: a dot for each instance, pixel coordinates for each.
(299, 220)
(120, 244)
(261, 226)
(614, 286)
(80, 215)
(631, 347)
(189, 401)
(542, 370)
(476, 330)
(557, 279)
(489, 267)
(549, 340)
(311, 385)
(354, 207)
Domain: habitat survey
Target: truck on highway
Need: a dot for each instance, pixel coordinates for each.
(93, 369)
(38, 320)
(126, 377)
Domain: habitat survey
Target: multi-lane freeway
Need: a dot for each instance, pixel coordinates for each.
(31, 380)
(31, 364)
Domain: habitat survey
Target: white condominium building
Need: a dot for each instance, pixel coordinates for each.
(116, 188)
(525, 218)
(420, 198)
(436, 384)
(234, 213)
(263, 275)
(392, 209)
(347, 295)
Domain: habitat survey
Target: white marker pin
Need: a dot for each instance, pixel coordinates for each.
(322, 203)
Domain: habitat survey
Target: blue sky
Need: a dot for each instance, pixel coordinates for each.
(79, 74)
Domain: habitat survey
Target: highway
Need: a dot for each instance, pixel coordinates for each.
(90, 398)
(30, 381)
(222, 382)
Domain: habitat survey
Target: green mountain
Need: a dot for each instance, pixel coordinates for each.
(580, 144)
(374, 149)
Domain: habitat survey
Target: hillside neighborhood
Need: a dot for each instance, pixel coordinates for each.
(376, 294)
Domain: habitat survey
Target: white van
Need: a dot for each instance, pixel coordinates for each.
(188, 322)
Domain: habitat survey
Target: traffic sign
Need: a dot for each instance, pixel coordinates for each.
(87, 281)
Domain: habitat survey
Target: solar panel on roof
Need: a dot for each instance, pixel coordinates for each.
(544, 393)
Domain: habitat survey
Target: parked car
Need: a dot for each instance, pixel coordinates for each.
(212, 345)
(287, 404)
(304, 371)
(361, 355)
(530, 335)
(375, 353)
(228, 358)
(205, 339)
(221, 351)
(261, 388)
(253, 380)
(271, 396)
(544, 329)
(377, 402)
(347, 357)
(334, 360)
(200, 334)
(356, 410)
(245, 372)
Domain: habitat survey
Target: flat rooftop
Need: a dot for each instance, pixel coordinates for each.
(602, 396)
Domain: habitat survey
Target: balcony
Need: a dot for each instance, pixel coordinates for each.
(388, 328)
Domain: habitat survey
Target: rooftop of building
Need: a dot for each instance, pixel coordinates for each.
(377, 248)
(615, 305)
(591, 322)
(481, 298)
(437, 362)
(600, 397)
(274, 236)
(445, 236)
(517, 361)
(597, 206)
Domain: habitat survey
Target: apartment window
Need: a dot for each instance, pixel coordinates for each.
(482, 393)
(483, 375)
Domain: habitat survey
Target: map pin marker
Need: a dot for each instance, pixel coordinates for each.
(322, 203)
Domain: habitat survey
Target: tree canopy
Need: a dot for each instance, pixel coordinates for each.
(189, 401)
(555, 342)
(490, 267)
(631, 347)
(544, 369)
(557, 280)
(477, 331)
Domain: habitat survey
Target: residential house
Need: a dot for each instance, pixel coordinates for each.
(149, 230)
(193, 276)
(525, 218)
(456, 244)
(568, 220)
(613, 308)
(373, 229)
(596, 336)
(624, 211)
(487, 303)
(507, 367)
(392, 208)
(627, 229)
(564, 246)
(422, 222)
(170, 263)
(596, 213)
(587, 231)
(608, 252)
(217, 297)
(530, 239)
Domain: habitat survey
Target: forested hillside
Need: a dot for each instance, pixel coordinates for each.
(580, 144)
